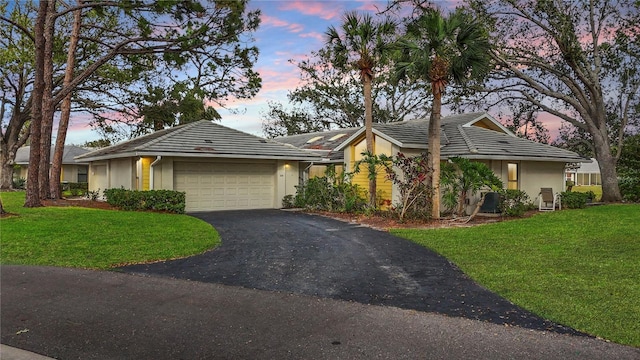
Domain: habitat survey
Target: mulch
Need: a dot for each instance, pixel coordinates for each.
(94, 204)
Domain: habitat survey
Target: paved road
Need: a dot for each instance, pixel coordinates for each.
(313, 255)
(80, 314)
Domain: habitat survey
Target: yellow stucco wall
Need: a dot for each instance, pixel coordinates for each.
(384, 187)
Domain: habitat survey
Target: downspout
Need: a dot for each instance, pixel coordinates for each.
(157, 160)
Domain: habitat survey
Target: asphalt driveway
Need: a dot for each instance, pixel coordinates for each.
(306, 254)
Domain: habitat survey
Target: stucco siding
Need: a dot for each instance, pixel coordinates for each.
(99, 176)
(122, 174)
(536, 175)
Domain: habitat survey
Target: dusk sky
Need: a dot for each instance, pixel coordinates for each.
(289, 30)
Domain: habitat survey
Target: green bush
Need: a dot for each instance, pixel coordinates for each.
(74, 189)
(630, 187)
(409, 174)
(330, 193)
(575, 200)
(159, 200)
(288, 202)
(514, 202)
(19, 183)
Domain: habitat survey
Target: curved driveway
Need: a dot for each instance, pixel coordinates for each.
(313, 255)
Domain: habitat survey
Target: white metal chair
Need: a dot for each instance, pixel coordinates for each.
(548, 200)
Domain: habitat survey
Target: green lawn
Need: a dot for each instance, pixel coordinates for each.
(597, 189)
(580, 268)
(98, 239)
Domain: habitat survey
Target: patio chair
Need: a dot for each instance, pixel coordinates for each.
(548, 200)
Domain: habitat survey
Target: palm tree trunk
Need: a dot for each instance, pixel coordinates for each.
(434, 151)
(368, 128)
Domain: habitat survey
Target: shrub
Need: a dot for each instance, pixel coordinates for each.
(159, 200)
(288, 202)
(461, 178)
(409, 174)
(330, 193)
(514, 202)
(19, 183)
(630, 187)
(93, 195)
(575, 200)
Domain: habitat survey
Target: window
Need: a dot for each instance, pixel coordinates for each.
(83, 170)
(512, 177)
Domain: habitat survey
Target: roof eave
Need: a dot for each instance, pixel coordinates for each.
(518, 158)
(203, 155)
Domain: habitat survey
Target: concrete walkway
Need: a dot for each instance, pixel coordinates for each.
(79, 314)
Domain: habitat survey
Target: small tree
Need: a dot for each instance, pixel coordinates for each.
(374, 164)
(410, 175)
(462, 178)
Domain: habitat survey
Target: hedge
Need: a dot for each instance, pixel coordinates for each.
(159, 200)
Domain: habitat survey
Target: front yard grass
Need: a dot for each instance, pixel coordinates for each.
(597, 189)
(580, 268)
(96, 239)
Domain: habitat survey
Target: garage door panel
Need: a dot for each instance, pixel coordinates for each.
(223, 186)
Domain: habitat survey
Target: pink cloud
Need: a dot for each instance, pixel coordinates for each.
(325, 10)
(275, 22)
(313, 35)
(278, 80)
(275, 85)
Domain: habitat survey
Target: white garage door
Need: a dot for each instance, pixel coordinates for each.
(225, 186)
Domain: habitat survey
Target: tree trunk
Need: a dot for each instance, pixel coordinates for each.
(32, 198)
(434, 151)
(47, 105)
(56, 168)
(608, 173)
(1, 207)
(6, 161)
(368, 128)
(12, 140)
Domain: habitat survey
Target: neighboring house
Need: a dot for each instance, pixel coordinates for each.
(519, 163)
(217, 167)
(585, 174)
(72, 170)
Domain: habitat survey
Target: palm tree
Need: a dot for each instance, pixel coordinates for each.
(440, 50)
(361, 44)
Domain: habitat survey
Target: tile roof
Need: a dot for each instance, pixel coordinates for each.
(68, 155)
(323, 143)
(201, 139)
(459, 137)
